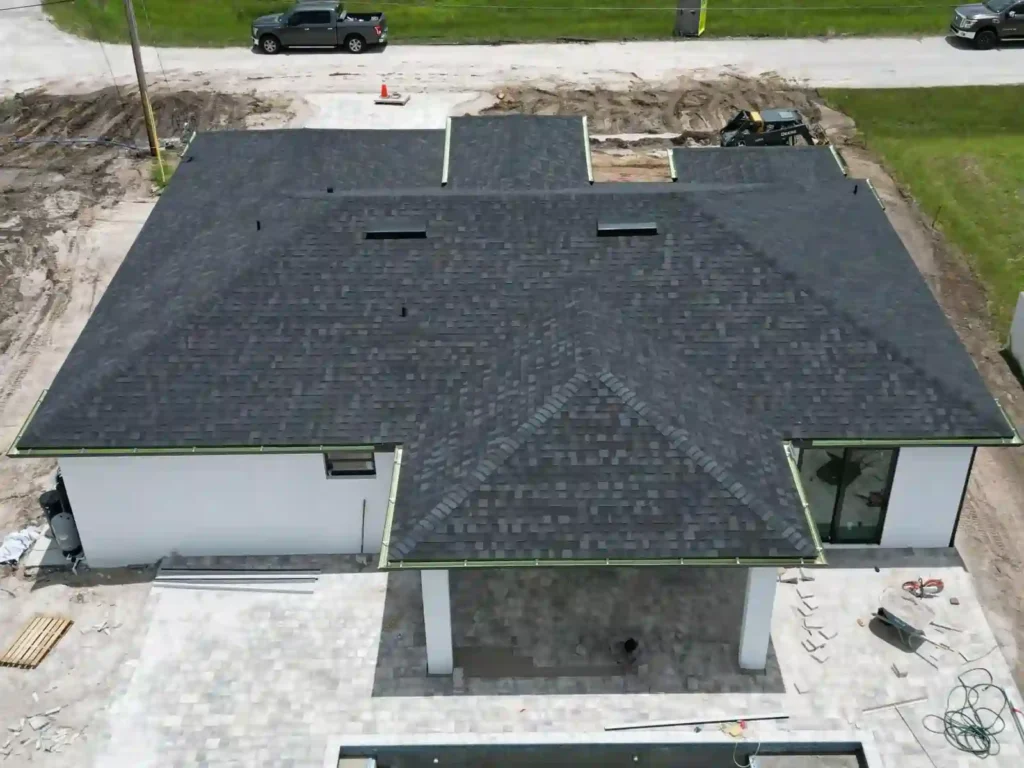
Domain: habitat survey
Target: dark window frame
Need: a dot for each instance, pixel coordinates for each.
(837, 505)
(355, 463)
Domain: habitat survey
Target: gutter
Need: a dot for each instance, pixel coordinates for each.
(389, 515)
(795, 471)
(742, 562)
(447, 151)
(586, 149)
(672, 165)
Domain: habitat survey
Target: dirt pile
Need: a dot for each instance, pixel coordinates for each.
(115, 117)
(694, 109)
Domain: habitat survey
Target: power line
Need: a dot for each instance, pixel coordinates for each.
(149, 26)
(35, 5)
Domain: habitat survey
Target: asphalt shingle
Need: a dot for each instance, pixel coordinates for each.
(558, 394)
(517, 152)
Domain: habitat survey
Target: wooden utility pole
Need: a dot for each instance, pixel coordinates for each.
(147, 110)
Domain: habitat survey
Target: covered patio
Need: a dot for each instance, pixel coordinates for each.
(640, 624)
(541, 631)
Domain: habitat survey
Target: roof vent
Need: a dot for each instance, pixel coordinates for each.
(396, 229)
(625, 228)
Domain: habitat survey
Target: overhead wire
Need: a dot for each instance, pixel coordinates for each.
(149, 26)
(35, 5)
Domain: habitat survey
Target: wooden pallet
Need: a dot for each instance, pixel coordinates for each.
(35, 641)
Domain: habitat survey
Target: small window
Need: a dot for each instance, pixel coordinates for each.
(349, 463)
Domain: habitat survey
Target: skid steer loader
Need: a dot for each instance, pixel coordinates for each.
(769, 128)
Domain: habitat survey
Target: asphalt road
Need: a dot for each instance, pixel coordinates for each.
(34, 53)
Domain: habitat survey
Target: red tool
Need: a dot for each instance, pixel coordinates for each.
(923, 588)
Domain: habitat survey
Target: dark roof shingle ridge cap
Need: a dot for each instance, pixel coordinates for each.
(492, 460)
(681, 439)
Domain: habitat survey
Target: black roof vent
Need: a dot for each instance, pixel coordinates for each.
(624, 228)
(396, 229)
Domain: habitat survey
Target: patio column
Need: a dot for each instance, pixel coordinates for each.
(756, 630)
(437, 618)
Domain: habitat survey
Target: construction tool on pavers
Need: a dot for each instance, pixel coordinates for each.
(769, 128)
(907, 616)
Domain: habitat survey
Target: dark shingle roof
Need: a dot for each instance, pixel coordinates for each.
(634, 390)
(263, 162)
(517, 152)
(805, 166)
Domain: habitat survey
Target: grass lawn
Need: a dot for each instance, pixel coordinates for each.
(960, 153)
(226, 22)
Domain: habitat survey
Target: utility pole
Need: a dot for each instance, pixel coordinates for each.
(147, 110)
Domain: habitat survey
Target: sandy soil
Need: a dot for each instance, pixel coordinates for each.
(690, 107)
(69, 215)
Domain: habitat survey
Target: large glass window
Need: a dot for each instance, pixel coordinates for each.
(848, 490)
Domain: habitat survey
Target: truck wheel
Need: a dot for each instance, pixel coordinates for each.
(986, 40)
(354, 44)
(270, 44)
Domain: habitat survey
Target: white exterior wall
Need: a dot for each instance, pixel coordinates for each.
(137, 509)
(925, 497)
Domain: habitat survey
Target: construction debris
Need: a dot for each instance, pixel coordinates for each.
(899, 671)
(35, 641)
(789, 576)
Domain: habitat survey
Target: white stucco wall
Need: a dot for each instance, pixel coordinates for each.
(137, 509)
(925, 496)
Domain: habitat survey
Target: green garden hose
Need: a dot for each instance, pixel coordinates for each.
(974, 714)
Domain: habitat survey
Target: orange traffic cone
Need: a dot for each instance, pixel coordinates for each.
(383, 90)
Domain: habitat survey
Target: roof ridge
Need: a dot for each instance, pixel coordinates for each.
(681, 439)
(493, 459)
(836, 307)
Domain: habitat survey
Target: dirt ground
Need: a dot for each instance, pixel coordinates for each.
(690, 108)
(68, 214)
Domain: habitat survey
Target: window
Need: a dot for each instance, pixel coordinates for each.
(349, 463)
(311, 17)
(848, 491)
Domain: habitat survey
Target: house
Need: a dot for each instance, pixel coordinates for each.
(451, 349)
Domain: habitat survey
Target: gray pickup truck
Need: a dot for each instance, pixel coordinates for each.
(989, 23)
(319, 25)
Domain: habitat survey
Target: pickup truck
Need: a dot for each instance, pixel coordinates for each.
(989, 23)
(319, 25)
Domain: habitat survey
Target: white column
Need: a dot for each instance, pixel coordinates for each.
(437, 618)
(756, 630)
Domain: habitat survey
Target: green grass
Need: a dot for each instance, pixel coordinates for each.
(960, 153)
(226, 22)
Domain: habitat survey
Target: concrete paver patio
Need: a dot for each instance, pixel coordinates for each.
(228, 678)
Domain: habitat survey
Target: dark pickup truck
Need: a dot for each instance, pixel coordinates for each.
(319, 25)
(987, 24)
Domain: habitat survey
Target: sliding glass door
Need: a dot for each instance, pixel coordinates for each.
(848, 490)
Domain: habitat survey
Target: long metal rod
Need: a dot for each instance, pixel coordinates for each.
(140, 73)
(696, 721)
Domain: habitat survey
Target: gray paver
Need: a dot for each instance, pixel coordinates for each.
(267, 679)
